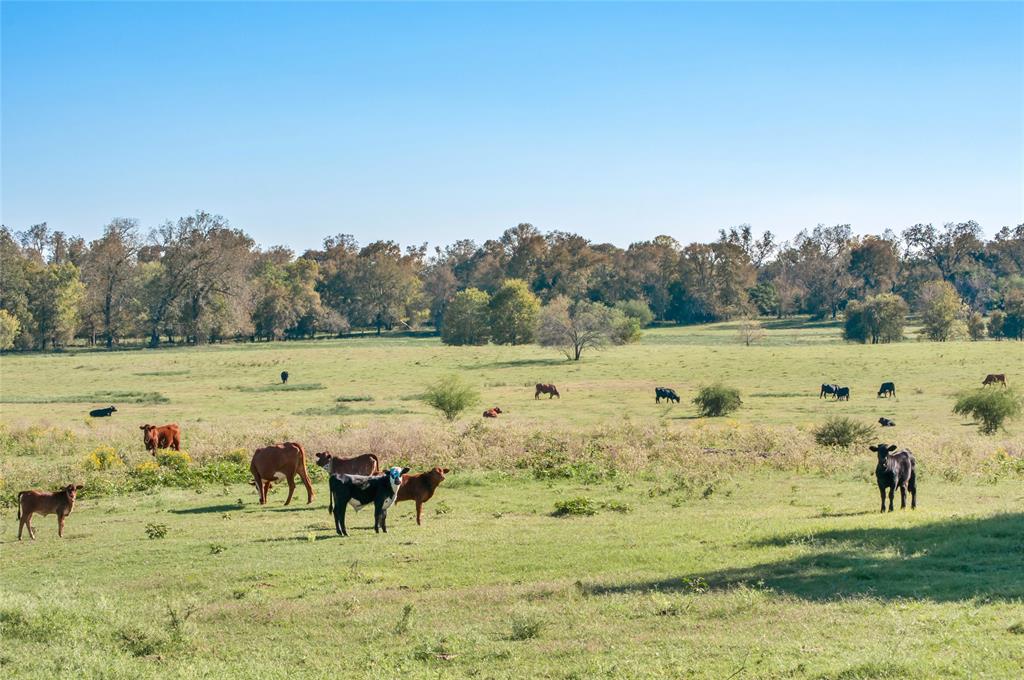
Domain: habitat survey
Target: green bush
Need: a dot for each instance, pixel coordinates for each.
(991, 406)
(581, 506)
(451, 396)
(844, 432)
(156, 531)
(717, 400)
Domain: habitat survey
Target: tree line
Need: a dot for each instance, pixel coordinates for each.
(197, 280)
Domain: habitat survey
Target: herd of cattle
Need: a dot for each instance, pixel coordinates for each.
(359, 481)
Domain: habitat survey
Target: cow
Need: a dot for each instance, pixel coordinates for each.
(885, 422)
(665, 393)
(364, 464)
(60, 502)
(896, 470)
(828, 389)
(887, 389)
(549, 390)
(842, 394)
(161, 437)
(360, 490)
(102, 412)
(993, 378)
(277, 462)
(420, 488)
(492, 412)
(284, 377)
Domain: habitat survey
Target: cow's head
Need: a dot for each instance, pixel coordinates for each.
(149, 435)
(883, 450)
(497, 410)
(113, 409)
(323, 459)
(395, 476)
(71, 490)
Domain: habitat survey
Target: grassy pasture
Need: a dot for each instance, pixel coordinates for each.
(732, 548)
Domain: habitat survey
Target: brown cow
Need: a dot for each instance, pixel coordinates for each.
(161, 437)
(365, 464)
(277, 462)
(420, 488)
(61, 502)
(993, 378)
(492, 412)
(549, 390)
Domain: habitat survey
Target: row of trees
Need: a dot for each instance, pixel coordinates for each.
(198, 279)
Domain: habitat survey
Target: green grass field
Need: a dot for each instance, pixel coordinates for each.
(720, 548)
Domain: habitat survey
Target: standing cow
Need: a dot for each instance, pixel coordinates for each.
(277, 462)
(550, 390)
(365, 464)
(828, 389)
(994, 378)
(896, 470)
(888, 389)
(359, 490)
(161, 437)
(60, 503)
(665, 393)
(284, 377)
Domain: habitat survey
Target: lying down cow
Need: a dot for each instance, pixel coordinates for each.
(360, 490)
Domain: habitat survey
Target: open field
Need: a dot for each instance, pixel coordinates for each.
(720, 548)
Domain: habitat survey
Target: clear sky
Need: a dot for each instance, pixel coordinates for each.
(433, 122)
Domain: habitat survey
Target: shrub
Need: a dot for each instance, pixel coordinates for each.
(991, 406)
(717, 400)
(155, 531)
(581, 506)
(238, 456)
(451, 396)
(103, 458)
(525, 628)
(176, 460)
(844, 432)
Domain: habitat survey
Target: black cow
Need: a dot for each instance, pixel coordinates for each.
(896, 470)
(665, 393)
(102, 412)
(360, 490)
(887, 389)
(885, 422)
(842, 394)
(284, 377)
(827, 389)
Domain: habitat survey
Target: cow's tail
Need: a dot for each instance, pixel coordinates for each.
(376, 464)
(20, 494)
(303, 472)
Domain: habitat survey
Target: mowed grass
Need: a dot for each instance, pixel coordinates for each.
(725, 548)
(768, 576)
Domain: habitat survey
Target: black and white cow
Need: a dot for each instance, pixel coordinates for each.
(103, 412)
(665, 393)
(360, 490)
(828, 389)
(888, 389)
(885, 422)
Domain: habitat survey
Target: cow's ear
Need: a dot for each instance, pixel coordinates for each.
(142, 427)
(892, 447)
(873, 447)
(405, 471)
(78, 487)
(445, 471)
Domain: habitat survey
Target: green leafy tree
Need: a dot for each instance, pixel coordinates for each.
(976, 326)
(467, 318)
(878, 319)
(996, 322)
(573, 327)
(514, 312)
(9, 329)
(940, 308)
(636, 309)
(54, 295)
(991, 406)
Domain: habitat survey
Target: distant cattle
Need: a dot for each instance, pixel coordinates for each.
(60, 503)
(103, 412)
(360, 490)
(549, 390)
(420, 488)
(993, 378)
(284, 377)
(492, 412)
(896, 470)
(161, 437)
(885, 422)
(363, 464)
(665, 393)
(277, 462)
(842, 394)
(887, 389)
(828, 390)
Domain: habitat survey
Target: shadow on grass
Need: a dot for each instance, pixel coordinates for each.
(225, 507)
(516, 363)
(959, 559)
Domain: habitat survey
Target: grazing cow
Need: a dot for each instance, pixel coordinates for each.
(103, 412)
(492, 412)
(665, 393)
(828, 389)
(887, 389)
(360, 490)
(61, 502)
(549, 390)
(842, 394)
(896, 470)
(365, 464)
(277, 462)
(993, 378)
(885, 422)
(420, 488)
(161, 437)
(284, 377)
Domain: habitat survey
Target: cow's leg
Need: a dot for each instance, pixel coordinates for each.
(892, 494)
(376, 517)
(259, 487)
(22, 521)
(419, 512)
(384, 520)
(60, 524)
(31, 531)
(913, 493)
(339, 514)
(291, 488)
(903, 496)
(177, 444)
(304, 476)
(881, 491)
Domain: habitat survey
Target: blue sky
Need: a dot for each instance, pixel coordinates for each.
(432, 122)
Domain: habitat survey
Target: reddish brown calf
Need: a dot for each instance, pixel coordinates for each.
(363, 464)
(60, 502)
(277, 462)
(161, 437)
(420, 488)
